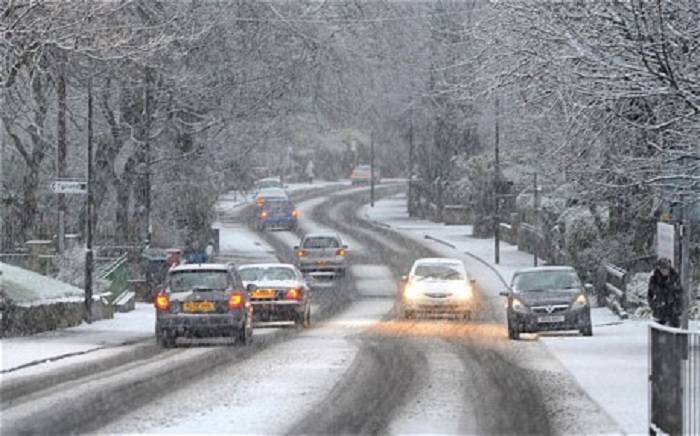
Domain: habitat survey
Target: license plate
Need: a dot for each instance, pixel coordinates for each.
(263, 293)
(321, 262)
(198, 306)
(551, 318)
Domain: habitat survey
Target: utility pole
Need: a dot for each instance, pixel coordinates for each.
(147, 154)
(90, 206)
(371, 167)
(410, 162)
(496, 177)
(685, 261)
(61, 150)
(536, 206)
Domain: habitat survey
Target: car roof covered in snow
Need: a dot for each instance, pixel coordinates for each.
(201, 267)
(545, 269)
(322, 235)
(438, 260)
(267, 265)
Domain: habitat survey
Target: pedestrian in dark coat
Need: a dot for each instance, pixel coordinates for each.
(666, 294)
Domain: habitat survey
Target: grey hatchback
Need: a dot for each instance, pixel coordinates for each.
(545, 299)
(203, 300)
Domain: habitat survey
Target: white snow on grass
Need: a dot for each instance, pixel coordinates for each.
(266, 393)
(26, 287)
(123, 328)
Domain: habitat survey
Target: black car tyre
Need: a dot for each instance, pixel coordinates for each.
(467, 316)
(165, 339)
(513, 332)
(244, 335)
(587, 330)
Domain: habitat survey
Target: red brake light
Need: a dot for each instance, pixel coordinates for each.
(295, 213)
(162, 301)
(263, 214)
(235, 301)
(293, 294)
(340, 252)
(260, 201)
(301, 253)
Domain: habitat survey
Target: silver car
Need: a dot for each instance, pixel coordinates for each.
(203, 300)
(278, 293)
(322, 255)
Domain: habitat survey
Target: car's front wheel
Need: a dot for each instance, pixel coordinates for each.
(587, 330)
(513, 332)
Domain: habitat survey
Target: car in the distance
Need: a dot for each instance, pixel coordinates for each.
(548, 298)
(436, 286)
(362, 175)
(322, 256)
(276, 213)
(203, 300)
(268, 182)
(278, 293)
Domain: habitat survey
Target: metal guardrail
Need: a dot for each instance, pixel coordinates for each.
(674, 380)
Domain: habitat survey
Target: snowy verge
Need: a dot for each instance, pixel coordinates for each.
(611, 367)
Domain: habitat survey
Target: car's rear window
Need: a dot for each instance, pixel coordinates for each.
(546, 280)
(321, 242)
(252, 274)
(438, 271)
(200, 279)
(275, 203)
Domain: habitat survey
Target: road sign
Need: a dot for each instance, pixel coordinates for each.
(69, 186)
(666, 241)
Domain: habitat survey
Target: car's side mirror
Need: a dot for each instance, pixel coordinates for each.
(589, 288)
(504, 294)
(251, 287)
(296, 247)
(345, 246)
(472, 282)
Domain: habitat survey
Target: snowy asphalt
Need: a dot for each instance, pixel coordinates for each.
(359, 371)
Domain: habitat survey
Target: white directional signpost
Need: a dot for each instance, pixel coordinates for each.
(69, 187)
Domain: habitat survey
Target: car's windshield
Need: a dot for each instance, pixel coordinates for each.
(269, 184)
(546, 280)
(252, 274)
(201, 279)
(321, 242)
(438, 271)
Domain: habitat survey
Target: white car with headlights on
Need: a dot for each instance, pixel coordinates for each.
(436, 286)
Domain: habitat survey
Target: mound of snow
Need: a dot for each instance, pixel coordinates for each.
(26, 287)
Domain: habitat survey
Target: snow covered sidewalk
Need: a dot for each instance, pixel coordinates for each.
(611, 366)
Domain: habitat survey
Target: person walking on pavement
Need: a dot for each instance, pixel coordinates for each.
(665, 294)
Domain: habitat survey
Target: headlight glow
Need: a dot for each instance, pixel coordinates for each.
(580, 301)
(464, 292)
(412, 291)
(518, 306)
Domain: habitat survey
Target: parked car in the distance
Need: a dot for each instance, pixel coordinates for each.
(436, 286)
(548, 298)
(278, 292)
(322, 255)
(362, 175)
(203, 300)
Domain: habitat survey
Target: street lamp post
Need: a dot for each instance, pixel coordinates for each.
(496, 177)
(88, 242)
(371, 167)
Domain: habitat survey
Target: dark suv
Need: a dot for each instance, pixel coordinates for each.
(203, 300)
(548, 298)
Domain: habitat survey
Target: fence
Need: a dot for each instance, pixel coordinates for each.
(674, 380)
(615, 289)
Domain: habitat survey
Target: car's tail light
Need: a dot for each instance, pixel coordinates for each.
(260, 201)
(292, 294)
(235, 301)
(340, 252)
(301, 253)
(162, 301)
(295, 213)
(263, 214)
